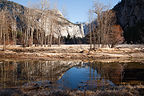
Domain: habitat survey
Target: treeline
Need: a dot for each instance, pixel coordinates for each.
(7, 34)
(28, 27)
(104, 31)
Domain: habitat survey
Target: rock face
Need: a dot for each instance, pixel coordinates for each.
(86, 28)
(18, 12)
(129, 12)
(66, 27)
(130, 15)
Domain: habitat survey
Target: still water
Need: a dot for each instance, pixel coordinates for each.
(70, 74)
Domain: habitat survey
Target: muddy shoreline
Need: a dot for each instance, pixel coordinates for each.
(127, 90)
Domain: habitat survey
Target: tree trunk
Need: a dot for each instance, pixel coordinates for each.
(90, 37)
(4, 45)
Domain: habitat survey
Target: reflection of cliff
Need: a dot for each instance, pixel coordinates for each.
(17, 73)
(134, 73)
(118, 73)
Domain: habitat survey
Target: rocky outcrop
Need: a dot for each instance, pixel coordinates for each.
(19, 13)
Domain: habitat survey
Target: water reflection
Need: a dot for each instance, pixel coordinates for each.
(15, 73)
(98, 75)
(121, 73)
(70, 74)
(83, 78)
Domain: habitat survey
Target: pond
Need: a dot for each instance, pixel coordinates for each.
(70, 74)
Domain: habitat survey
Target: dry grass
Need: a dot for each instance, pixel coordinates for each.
(74, 52)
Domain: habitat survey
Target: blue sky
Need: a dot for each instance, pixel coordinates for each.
(76, 10)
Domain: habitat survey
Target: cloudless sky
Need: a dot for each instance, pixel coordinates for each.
(76, 10)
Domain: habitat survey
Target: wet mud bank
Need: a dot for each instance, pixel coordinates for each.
(114, 91)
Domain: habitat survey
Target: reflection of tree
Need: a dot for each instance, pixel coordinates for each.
(108, 71)
(96, 80)
(17, 73)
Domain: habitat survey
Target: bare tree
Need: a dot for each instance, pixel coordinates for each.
(13, 27)
(54, 25)
(105, 32)
(48, 24)
(45, 6)
(4, 28)
(1, 26)
(94, 35)
(98, 10)
(39, 22)
(107, 20)
(58, 31)
(90, 27)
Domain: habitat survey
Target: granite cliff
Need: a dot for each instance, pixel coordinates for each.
(130, 15)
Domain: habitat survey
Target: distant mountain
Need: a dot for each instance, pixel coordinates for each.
(15, 11)
(87, 26)
(19, 13)
(130, 15)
